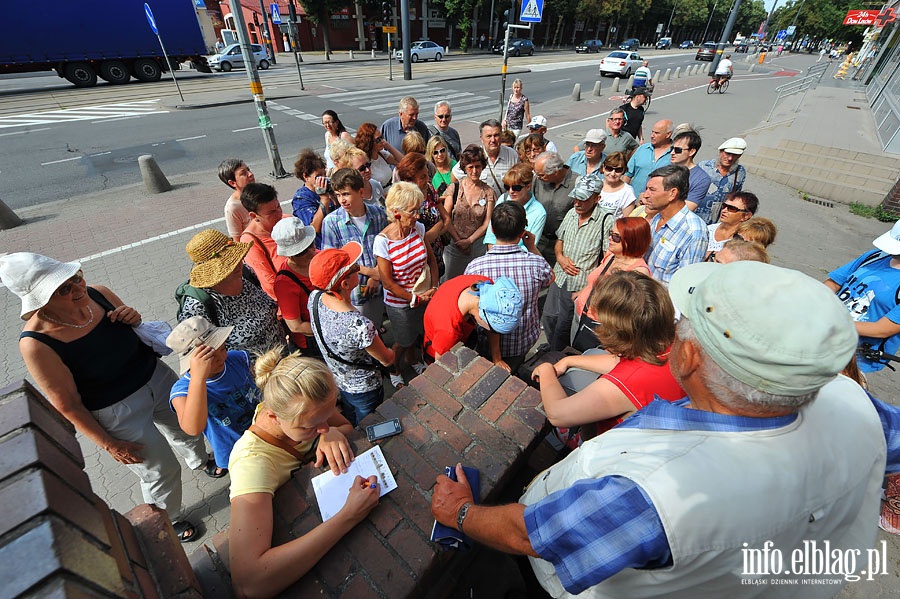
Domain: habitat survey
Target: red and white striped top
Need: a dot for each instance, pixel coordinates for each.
(408, 257)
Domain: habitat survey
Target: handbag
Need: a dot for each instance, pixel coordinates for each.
(585, 338)
(328, 350)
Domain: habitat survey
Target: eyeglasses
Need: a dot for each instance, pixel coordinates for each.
(615, 237)
(66, 288)
(614, 169)
(733, 208)
(440, 151)
(378, 140)
(408, 213)
(443, 116)
(365, 167)
(515, 188)
(677, 150)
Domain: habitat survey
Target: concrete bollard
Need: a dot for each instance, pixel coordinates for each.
(446, 50)
(630, 84)
(677, 72)
(373, 53)
(154, 179)
(576, 93)
(8, 218)
(668, 74)
(615, 85)
(351, 54)
(596, 92)
(750, 68)
(748, 57)
(656, 75)
(694, 69)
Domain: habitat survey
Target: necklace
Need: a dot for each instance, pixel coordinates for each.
(68, 324)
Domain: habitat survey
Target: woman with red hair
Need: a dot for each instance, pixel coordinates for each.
(380, 152)
(629, 240)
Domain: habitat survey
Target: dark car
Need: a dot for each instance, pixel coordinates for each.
(706, 52)
(517, 47)
(686, 44)
(631, 43)
(742, 46)
(664, 43)
(589, 46)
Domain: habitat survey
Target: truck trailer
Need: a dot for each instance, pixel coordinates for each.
(110, 39)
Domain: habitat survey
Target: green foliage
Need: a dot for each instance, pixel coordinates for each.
(460, 13)
(878, 212)
(751, 15)
(690, 12)
(820, 19)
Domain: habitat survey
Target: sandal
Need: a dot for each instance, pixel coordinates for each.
(890, 508)
(419, 367)
(185, 531)
(397, 381)
(213, 471)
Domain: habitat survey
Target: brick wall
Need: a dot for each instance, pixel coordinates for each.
(56, 536)
(891, 202)
(461, 409)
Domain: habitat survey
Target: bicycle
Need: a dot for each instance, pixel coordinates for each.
(866, 350)
(719, 83)
(646, 90)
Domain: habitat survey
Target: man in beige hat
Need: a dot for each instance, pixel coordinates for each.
(588, 161)
(726, 176)
(769, 454)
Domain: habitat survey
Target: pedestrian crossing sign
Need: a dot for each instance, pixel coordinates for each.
(532, 11)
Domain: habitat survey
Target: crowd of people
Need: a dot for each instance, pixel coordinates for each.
(402, 242)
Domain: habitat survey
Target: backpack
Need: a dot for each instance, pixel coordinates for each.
(203, 296)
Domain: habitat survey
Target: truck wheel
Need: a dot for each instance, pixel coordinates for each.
(225, 67)
(264, 64)
(81, 74)
(115, 72)
(147, 70)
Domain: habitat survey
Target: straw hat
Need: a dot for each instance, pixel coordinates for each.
(34, 278)
(215, 255)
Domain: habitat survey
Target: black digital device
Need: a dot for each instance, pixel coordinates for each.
(383, 429)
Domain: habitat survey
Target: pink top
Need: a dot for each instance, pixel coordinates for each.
(585, 294)
(257, 258)
(408, 257)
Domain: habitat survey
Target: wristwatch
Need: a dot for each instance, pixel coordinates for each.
(461, 515)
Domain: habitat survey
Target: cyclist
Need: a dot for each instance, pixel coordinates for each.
(642, 77)
(725, 69)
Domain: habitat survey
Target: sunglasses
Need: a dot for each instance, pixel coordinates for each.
(440, 151)
(365, 167)
(733, 208)
(66, 288)
(614, 169)
(615, 119)
(615, 237)
(677, 150)
(443, 116)
(378, 140)
(515, 188)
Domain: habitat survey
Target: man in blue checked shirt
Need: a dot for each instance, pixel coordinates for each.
(770, 450)
(679, 237)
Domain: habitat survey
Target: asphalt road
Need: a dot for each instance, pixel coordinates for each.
(56, 152)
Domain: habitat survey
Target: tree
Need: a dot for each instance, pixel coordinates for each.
(318, 12)
(460, 13)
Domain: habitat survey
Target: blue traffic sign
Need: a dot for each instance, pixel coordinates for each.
(276, 15)
(150, 18)
(532, 10)
(781, 34)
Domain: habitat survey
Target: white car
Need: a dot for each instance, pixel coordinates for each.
(620, 63)
(422, 50)
(232, 57)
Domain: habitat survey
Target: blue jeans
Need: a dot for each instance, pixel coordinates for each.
(359, 405)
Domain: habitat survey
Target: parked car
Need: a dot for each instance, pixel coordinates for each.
(517, 47)
(631, 43)
(231, 57)
(589, 46)
(741, 46)
(687, 44)
(620, 63)
(707, 51)
(664, 43)
(421, 50)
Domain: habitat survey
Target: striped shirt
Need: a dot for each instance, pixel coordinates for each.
(407, 257)
(682, 240)
(582, 244)
(338, 229)
(530, 272)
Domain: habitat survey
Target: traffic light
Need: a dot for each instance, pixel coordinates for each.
(387, 12)
(505, 18)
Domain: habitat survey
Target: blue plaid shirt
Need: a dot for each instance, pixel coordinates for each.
(682, 240)
(598, 527)
(338, 229)
(719, 187)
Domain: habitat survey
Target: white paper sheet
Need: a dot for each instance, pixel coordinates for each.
(332, 491)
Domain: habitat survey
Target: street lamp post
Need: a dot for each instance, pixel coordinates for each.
(709, 21)
(726, 33)
(671, 14)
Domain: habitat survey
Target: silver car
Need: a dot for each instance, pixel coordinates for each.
(232, 57)
(422, 50)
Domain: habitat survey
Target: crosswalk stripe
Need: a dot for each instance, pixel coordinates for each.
(341, 95)
(423, 100)
(103, 112)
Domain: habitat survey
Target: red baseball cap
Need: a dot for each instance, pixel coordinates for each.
(328, 267)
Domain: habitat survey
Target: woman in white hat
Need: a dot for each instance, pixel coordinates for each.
(80, 346)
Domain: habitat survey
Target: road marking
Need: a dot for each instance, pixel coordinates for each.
(250, 128)
(28, 131)
(466, 105)
(101, 154)
(124, 118)
(63, 160)
(560, 80)
(190, 138)
(368, 93)
(85, 113)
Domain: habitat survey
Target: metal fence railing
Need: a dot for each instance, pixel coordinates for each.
(810, 80)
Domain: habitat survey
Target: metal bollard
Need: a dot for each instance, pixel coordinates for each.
(596, 92)
(8, 218)
(576, 93)
(154, 179)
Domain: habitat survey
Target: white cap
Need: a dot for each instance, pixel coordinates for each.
(537, 121)
(889, 242)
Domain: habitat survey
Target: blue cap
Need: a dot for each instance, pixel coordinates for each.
(500, 304)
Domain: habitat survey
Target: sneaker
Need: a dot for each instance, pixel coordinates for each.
(890, 508)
